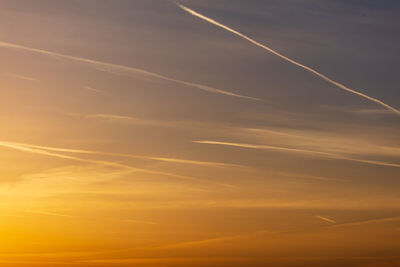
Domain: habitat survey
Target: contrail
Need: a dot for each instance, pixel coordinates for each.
(48, 213)
(125, 70)
(32, 149)
(87, 87)
(21, 77)
(322, 76)
(268, 147)
(366, 222)
(196, 242)
(90, 152)
(325, 219)
(297, 150)
(312, 177)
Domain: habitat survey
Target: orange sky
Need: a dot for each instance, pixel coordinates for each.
(136, 134)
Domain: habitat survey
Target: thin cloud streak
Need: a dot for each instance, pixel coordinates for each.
(89, 152)
(240, 236)
(125, 70)
(366, 222)
(310, 177)
(320, 75)
(23, 148)
(87, 87)
(40, 212)
(231, 260)
(327, 142)
(268, 147)
(113, 117)
(325, 219)
(163, 260)
(21, 77)
(296, 150)
(197, 242)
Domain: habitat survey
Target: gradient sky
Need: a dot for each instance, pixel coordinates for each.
(134, 133)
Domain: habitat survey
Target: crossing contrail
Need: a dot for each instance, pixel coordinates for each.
(125, 70)
(322, 76)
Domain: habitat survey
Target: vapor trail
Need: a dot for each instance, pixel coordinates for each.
(297, 150)
(48, 213)
(196, 242)
(90, 152)
(21, 77)
(322, 76)
(87, 87)
(32, 149)
(287, 149)
(366, 222)
(325, 219)
(125, 70)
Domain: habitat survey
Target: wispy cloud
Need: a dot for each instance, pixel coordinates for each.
(325, 219)
(42, 151)
(297, 150)
(232, 261)
(320, 140)
(358, 110)
(21, 77)
(87, 87)
(113, 117)
(198, 242)
(90, 152)
(311, 177)
(117, 118)
(313, 71)
(127, 119)
(41, 212)
(367, 222)
(125, 70)
(165, 261)
(268, 147)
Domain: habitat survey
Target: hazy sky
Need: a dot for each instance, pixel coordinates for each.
(199, 133)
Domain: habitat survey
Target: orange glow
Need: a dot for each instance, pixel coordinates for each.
(135, 134)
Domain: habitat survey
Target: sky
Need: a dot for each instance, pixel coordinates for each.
(199, 133)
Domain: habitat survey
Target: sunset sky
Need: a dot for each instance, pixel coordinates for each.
(199, 133)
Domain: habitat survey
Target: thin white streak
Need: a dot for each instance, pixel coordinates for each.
(92, 89)
(373, 162)
(320, 75)
(21, 77)
(311, 177)
(324, 142)
(232, 261)
(325, 219)
(296, 150)
(198, 242)
(48, 213)
(104, 163)
(124, 119)
(111, 117)
(125, 70)
(251, 146)
(366, 222)
(89, 152)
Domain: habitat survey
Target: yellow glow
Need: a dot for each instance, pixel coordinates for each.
(132, 134)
